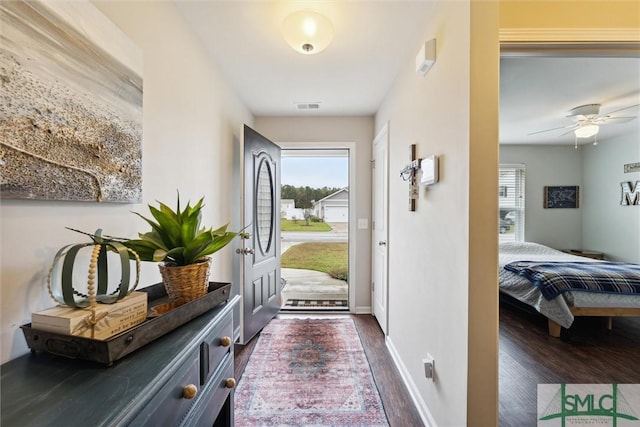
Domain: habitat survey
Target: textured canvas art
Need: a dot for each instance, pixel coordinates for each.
(70, 104)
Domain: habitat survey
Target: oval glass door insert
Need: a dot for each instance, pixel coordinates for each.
(264, 206)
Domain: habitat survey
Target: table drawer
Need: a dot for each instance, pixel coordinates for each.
(218, 393)
(215, 346)
(170, 405)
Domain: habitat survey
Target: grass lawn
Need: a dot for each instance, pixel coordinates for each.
(301, 225)
(331, 258)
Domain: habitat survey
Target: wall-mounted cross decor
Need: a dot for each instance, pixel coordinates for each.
(408, 173)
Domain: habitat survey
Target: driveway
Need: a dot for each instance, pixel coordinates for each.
(314, 285)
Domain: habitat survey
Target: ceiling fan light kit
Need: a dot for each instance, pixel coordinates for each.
(307, 32)
(586, 131)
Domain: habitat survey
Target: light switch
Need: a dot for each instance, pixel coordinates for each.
(363, 223)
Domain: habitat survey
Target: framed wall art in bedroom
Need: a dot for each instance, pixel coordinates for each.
(565, 196)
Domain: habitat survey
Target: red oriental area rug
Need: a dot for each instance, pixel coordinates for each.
(308, 372)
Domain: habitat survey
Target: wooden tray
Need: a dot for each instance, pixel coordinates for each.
(162, 319)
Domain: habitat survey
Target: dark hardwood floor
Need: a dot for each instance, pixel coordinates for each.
(586, 353)
(397, 403)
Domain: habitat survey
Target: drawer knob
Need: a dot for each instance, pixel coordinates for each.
(189, 391)
(230, 383)
(225, 341)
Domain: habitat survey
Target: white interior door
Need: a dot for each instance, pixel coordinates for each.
(260, 253)
(380, 247)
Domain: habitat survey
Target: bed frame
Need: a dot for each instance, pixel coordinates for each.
(608, 312)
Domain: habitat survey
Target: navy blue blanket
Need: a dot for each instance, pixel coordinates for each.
(555, 277)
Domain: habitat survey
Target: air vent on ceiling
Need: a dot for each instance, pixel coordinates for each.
(308, 105)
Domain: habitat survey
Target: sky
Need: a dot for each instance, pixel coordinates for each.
(315, 172)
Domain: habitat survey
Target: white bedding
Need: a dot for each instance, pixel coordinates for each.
(556, 309)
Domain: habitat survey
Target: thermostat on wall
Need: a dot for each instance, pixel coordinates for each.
(429, 167)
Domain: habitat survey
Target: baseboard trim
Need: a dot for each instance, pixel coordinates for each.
(363, 309)
(421, 405)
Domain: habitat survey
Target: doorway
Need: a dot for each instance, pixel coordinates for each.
(315, 223)
(520, 370)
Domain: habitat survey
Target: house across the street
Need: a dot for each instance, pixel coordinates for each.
(334, 207)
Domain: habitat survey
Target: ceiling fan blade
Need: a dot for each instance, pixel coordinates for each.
(552, 129)
(622, 109)
(568, 132)
(612, 120)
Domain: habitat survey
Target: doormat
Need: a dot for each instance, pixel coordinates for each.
(308, 372)
(312, 303)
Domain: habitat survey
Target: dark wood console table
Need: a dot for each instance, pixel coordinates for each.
(183, 378)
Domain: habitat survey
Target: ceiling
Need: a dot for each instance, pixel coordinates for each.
(373, 39)
(537, 93)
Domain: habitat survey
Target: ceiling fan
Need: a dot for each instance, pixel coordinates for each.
(587, 121)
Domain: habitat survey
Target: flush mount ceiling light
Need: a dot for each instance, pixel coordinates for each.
(586, 131)
(307, 32)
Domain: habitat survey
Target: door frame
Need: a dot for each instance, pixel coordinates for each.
(351, 147)
(523, 42)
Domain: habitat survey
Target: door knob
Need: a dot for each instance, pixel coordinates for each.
(382, 243)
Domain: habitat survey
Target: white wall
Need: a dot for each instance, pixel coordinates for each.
(443, 257)
(549, 165)
(313, 131)
(190, 120)
(608, 226)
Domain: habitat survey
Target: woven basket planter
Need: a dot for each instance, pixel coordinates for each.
(185, 283)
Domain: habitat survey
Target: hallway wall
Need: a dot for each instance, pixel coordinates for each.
(443, 256)
(190, 120)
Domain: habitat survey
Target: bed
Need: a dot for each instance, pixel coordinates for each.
(562, 309)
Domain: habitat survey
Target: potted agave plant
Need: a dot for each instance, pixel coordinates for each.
(182, 247)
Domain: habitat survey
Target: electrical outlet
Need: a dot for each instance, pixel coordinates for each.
(429, 367)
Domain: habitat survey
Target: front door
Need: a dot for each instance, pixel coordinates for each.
(260, 265)
(379, 275)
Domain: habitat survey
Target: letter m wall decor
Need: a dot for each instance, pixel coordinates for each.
(630, 193)
(70, 104)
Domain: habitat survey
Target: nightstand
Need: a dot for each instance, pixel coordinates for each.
(585, 253)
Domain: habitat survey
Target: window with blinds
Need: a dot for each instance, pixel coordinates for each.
(511, 203)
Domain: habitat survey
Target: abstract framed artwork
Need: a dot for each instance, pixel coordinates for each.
(565, 196)
(70, 105)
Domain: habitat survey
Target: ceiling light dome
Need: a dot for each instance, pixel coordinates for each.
(586, 131)
(307, 32)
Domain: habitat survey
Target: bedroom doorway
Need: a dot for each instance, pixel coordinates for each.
(315, 219)
(523, 330)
